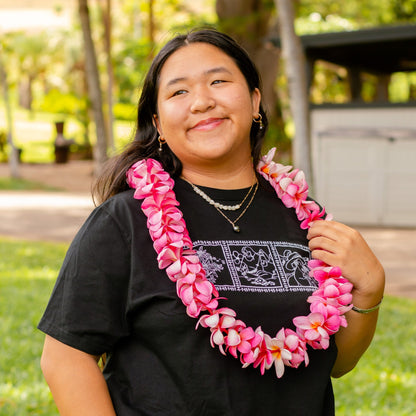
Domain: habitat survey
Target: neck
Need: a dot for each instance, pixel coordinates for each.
(242, 176)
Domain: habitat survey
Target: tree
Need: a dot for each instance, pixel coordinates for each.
(14, 155)
(107, 23)
(249, 23)
(295, 69)
(94, 89)
(35, 54)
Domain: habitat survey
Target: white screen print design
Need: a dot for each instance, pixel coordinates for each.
(256, 266)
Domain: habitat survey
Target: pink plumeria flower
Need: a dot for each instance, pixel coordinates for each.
(294, 189)
(244, 340)
(315, 215)
(196, 293)
(278, 350)
(267, 168)
(323, 272)
(297, 347)
(219, 322)
(264, 358)
(186, 264)
(170, 254)
(312, 328)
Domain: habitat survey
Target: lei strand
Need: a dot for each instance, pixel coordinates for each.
(173, 246)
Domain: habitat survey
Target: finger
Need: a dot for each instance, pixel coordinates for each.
(326, 256)
(328, 228)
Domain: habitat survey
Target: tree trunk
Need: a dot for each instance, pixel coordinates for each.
(248, 22)
(110, 73)
(25, 92)
(295, 69)
(94, 90)
(14, 154)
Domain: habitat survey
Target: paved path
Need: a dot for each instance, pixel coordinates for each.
(47, 216)
(57, 216)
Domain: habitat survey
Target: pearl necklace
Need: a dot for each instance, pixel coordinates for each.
(173, 246)
(236, 228)
(218, 205)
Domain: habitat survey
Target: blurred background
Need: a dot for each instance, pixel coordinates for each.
(339, 87)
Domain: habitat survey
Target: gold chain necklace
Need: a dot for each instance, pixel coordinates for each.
(219, 206)
(216, 204)
(236, 228)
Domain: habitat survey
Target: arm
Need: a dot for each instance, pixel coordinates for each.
(339, 245)
(75, 380)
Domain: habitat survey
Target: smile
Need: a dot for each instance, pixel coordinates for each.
(208, 124)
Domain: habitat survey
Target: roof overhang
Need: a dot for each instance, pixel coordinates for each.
(382, 50)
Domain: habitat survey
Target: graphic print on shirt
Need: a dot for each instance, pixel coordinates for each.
(256, 266)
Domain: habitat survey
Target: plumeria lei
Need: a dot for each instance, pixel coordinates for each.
(173, 246)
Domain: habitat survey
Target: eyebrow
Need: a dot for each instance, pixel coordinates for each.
(216, 70)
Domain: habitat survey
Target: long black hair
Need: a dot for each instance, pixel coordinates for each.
(145, 143)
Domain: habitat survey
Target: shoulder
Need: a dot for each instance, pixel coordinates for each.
(121, 206)
(114, 219)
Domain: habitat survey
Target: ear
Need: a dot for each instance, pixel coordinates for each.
(255, 101)
(156, 123)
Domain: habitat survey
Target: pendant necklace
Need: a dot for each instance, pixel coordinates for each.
(219, 207)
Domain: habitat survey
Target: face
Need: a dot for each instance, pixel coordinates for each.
(205, 108)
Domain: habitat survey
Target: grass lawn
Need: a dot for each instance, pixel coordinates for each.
(383, 384)
(384, 381)
(27, 274)
(12, 184)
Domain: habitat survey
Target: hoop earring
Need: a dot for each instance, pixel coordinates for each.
(259, 120)
(161, 141)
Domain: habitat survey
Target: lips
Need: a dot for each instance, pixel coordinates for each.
(208, 124)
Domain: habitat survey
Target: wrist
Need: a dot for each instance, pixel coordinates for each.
(367, 310)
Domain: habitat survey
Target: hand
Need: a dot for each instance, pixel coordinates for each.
(339, 245)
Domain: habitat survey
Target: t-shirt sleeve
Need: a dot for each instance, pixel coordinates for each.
(87, 308)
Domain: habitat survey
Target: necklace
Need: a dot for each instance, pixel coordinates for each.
(217, 205)
(173, 246)
(236, 228)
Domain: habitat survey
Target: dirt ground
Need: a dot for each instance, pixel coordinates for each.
(75, 176)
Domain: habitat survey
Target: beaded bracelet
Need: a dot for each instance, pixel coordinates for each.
(359, 310)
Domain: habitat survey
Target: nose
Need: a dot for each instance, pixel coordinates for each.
(202, 101)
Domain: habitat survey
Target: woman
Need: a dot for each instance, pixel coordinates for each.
(200, 116)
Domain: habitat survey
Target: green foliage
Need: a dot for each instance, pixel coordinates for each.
(316, 23)
(134, 49)
(368, 13)
(384, 381)
(58, 102)
(124, 111)
(27, 274)
(402, 87)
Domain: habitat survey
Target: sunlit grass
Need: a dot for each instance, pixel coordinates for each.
(383, 383)
(27, 274)
(12, 184)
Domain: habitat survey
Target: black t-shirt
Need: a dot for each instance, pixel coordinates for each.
(111, 297)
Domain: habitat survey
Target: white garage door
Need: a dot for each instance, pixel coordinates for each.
(369, 180)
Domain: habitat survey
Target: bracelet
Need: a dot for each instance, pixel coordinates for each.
(359, 310)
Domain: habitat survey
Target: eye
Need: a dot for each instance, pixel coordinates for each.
(179, 92)
(218, 81)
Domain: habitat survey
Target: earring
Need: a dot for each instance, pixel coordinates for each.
(161, 141)
(259, 120)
